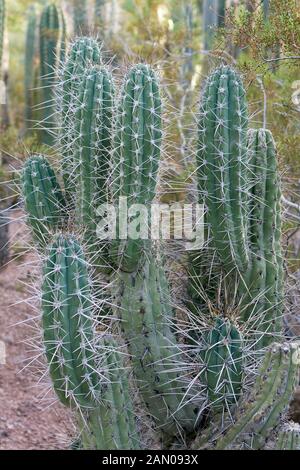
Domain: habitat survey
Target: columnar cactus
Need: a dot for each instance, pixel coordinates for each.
(30, 66)
(102, 394)
(51, 43)
(136, 153)
(93, 124)
(288, 437)
(83, 52)
(147, 320)
(43, 199)
(2, 26)
(261, 410)
(210, 22)
(98, 16)
(238, 182)
(80, 17)
(182, 374)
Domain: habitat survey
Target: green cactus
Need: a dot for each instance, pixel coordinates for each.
(43, 198)
(51, 44)
(98, 16)
(146, 319)
(2, 27)
(239, 184)
(206, 364)
(93, 124)
(106, 418)
(264, 278)
(83, 52)
(210, 22)
(30, 66)
(80, 17)
(288, 437)
(260, 410)
(136, 153)
(223, 361)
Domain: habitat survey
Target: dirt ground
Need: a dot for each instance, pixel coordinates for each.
(30, 416)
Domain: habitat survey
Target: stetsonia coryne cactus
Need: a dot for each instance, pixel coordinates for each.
(97, 391)
(83, 52)
(30, 66)
(183, 367)
(52, 48)
(238, 182)
(80, 17)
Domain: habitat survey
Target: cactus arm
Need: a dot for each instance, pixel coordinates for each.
(222, 359)
(264, 279)
(83, 51)
(288, 437)
(222, 147)
(136, 153)
(49, 49)
(93, 125)
(261, 411)
(66, 306)
(30, 65)
(43, 199)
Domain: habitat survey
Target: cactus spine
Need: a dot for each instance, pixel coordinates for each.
(52, 43)
(30, 66)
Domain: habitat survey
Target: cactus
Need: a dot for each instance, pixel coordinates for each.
(260, 410)
(52, 43)
(146, 320)
(136, 153)
(210, 22)
(288, 437)
(215, 363)
(80, 17)
(83, 51)
(98, 15)
(30, 66)
(93, 122)
(106, 417)
(43, 198)
(239, 184)
(2, 26)
(223, 361)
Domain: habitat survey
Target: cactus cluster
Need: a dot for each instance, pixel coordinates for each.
(109, 319)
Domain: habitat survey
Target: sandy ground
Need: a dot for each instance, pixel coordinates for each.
(30, 416)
